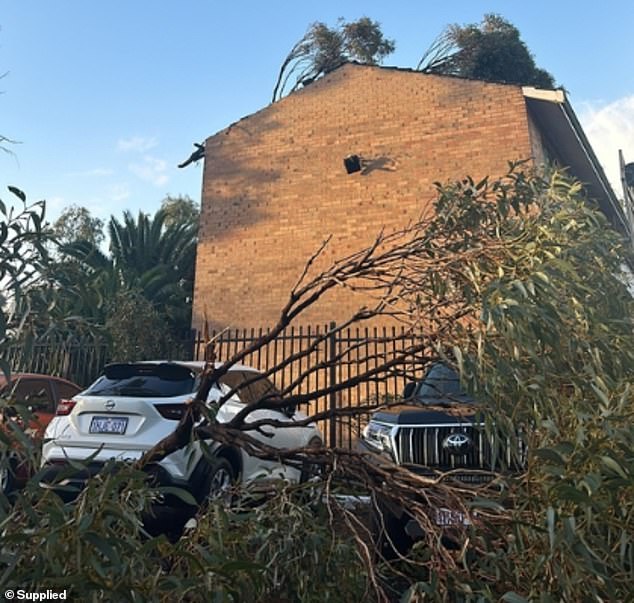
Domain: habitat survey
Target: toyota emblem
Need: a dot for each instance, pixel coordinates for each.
(109, 405)
(457, 443)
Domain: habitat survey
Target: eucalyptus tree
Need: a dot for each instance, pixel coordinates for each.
(77, 224)
(67, 299)
(180, 209)
(323, 49)
(491, 50)
(23, 252)
(517, 283)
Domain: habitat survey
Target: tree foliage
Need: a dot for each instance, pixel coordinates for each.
(148, 257)
(180, 210)
(137, 330)
(491, 50)
(82, 289)
(23, 253)
(323, 49)
(77, 224)
(552, 351)
(3, 139)
(99, 549)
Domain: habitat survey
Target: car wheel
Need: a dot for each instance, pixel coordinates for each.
(310, 470)
(388, 533)
(219, 480)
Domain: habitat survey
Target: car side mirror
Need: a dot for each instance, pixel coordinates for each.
(289, 410)
(409, 390)
(214, 395)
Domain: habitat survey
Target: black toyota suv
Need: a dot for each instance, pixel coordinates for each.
(439, 428)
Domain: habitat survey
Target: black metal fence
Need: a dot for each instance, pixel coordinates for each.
(80, 360)
(311, 359)
(320, 359)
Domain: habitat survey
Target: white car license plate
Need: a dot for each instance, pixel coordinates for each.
(116, 425)
(450, 517)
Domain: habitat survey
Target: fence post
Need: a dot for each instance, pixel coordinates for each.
(332, 381)
(190, 344)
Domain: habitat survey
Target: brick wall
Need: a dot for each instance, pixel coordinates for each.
(275, 186)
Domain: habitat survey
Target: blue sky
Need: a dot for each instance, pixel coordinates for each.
(106, 98)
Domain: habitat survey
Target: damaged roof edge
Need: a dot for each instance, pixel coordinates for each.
(555, 112)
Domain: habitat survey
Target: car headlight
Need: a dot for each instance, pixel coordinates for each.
(378, 436)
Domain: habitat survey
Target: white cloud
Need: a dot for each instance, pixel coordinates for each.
(151, 170)
(139, 144)
(610, 127)
(119, 192)
(91, 173)
(55, 206)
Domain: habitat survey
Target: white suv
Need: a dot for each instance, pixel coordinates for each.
(133, 406)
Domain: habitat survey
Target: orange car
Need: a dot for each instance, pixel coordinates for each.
(40, 394)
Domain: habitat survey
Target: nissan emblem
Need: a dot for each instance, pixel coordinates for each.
(109, 405)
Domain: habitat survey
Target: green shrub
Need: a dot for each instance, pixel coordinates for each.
(547, 346)
(279, 549)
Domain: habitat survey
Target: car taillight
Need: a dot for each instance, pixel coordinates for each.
(173, 412)
(65, 407)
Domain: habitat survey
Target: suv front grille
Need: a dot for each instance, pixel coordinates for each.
(426, 445)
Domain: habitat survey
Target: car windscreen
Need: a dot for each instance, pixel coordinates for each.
(441, 383)
(163, 380)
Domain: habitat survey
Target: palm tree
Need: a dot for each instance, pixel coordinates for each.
(155, 258)
(146, 257)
